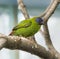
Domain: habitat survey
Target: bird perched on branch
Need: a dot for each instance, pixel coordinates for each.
(27, 27)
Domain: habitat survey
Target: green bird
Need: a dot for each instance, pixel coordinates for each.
(27, 27)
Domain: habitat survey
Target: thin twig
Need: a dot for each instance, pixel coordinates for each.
(47, 9)
(46, 17)
(22, 7)
(51, 10)
(46, 31)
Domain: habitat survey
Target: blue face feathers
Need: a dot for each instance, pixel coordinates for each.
(39, 21)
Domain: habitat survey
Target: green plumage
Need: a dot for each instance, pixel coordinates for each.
(26, 28)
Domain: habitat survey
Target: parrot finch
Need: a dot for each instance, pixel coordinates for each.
(27, 27)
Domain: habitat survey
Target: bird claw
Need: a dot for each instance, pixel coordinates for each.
(32, 38)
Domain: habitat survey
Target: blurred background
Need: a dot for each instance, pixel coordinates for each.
(10, 16)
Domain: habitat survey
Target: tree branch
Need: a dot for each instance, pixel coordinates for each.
(22, 7)
(51, 10)
(45, 27)
(46, 17)
(59, 1)
(2, 43)
(47, 9)
(15, 42)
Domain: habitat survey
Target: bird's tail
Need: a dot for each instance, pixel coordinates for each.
(11, 33)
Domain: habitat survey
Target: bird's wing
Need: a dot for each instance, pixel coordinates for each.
(23, 24)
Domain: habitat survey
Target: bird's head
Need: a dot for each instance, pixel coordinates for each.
(39, 21)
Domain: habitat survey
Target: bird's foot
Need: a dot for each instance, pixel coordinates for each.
(32, 38)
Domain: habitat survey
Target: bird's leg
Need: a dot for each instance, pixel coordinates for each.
(32, 38)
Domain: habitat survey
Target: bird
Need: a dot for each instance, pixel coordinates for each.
(27, 28)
